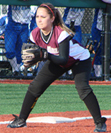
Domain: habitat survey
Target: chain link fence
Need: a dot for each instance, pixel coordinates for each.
(15, 30)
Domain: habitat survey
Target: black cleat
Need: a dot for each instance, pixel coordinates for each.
(100, 125)
(17, 122)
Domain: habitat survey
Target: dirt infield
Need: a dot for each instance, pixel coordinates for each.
(8, 81)
(78, 126)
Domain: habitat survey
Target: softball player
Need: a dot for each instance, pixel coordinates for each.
(63, 53)
(96, 32)
(96, 35)
(16, 33)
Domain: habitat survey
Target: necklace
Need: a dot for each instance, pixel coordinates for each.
(46, 38)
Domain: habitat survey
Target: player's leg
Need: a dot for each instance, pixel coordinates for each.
(96, 35)
(45, 77)
(23, 34)
(81, 73)
(10, 41)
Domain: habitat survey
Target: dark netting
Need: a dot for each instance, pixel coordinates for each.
(87, 23)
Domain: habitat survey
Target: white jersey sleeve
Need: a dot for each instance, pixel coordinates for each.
(62, 36)
(31, 38)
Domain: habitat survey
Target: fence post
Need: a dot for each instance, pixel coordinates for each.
(106, 47)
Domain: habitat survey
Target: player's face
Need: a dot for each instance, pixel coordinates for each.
(43, 20)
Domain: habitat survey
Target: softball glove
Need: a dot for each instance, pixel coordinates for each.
(31, 54)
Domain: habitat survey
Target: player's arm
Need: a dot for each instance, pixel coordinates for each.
(63, 56)
(32, 53)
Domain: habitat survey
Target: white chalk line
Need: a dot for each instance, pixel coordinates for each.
(54, 120)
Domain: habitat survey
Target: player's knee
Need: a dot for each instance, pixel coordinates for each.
(34, 92)
(37, 91)
(83, 92)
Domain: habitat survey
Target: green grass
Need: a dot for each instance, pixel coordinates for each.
(57, 98)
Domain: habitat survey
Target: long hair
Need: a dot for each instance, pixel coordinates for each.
(58, 19)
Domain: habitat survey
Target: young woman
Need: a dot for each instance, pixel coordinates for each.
(64, 53)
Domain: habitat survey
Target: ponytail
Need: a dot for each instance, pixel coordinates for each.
(59, 22)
